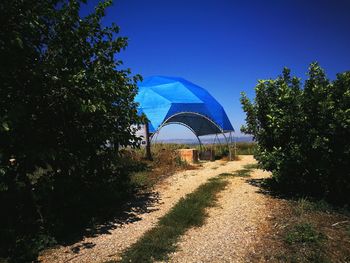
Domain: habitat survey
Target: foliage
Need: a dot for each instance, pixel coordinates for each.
(303, 133)
(65, 112)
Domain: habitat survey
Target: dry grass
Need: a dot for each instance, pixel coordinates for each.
(166, 161)
(303, 231)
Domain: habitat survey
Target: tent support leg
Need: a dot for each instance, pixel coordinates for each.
(228, 145)
(200, 143)
(148, 143)
(200, 147)
(235, 142)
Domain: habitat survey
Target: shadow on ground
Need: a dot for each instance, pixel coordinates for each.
(128, 213)
(269, 187)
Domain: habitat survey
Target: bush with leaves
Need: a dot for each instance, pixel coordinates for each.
(303, 133)
(65, 111)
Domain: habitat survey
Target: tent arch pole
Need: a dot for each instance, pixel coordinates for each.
(193, 113)
(179, 123)
(168, 122)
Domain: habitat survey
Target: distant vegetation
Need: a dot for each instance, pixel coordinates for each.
(302, 133)
(220, 150)
(166, 160)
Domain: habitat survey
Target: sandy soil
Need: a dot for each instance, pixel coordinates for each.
(226, 236)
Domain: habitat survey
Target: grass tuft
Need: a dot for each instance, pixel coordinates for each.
(304, 205)
(304, 233)
(189, 212)
(226, 175)
(243, 173)
(348, 230)
(251, 166)
(142, 179)
(238, 173)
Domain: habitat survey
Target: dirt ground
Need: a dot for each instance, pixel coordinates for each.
(247, 225)
(231, 227)
(109, 246)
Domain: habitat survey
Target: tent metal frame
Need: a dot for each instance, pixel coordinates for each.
(190, 113)
(179, 123)
(166, 122)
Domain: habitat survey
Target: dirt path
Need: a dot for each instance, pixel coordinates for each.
(231, 228)
(226, 237)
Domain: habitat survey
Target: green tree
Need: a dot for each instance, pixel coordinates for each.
(302, 133)
(65, 109)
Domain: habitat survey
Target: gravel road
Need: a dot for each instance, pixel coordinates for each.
(231, 229)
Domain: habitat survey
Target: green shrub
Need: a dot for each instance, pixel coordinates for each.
(302, 134)
(66, 110)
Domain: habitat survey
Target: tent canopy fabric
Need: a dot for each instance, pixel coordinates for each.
(167, 100)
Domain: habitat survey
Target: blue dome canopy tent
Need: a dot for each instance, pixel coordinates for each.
(173, 100)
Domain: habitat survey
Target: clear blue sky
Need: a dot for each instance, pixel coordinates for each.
(226, 46)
